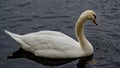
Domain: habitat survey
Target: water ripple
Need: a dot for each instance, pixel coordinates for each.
(24, 4)
(53, 17)
(116, 36)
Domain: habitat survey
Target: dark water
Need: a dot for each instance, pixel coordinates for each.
(25, 16)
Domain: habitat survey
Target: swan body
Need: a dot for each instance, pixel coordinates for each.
(54, 44)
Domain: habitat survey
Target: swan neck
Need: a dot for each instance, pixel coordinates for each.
(79, 30)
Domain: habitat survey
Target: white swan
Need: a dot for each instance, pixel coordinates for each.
(54, 44)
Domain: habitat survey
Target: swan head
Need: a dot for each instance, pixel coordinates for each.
(89, 15)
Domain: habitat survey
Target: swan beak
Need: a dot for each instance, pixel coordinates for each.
(94, 21)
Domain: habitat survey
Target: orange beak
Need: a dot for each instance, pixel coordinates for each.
(94, 21)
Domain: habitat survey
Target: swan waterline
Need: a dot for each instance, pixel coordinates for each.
(54, 44)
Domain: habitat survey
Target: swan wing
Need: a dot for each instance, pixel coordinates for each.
(48, 42)
(51, 46)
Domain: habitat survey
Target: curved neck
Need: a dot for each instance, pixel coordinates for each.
(79, 30)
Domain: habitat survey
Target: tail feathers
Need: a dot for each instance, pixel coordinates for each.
(19, 40)
(13, 35)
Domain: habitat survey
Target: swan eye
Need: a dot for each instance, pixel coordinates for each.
(94, 16)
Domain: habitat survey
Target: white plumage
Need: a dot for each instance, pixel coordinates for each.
(54, 44)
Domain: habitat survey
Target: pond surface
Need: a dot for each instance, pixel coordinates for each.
(26, 16)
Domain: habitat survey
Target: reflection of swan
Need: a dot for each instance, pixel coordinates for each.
(51, 62)
(53, 44)
(45, 61)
